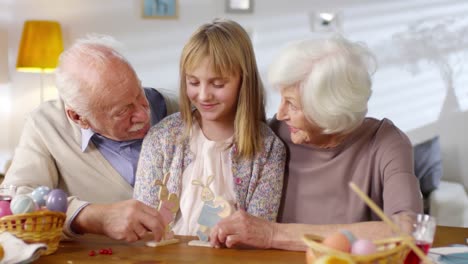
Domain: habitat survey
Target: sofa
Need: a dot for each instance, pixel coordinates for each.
(447, 201)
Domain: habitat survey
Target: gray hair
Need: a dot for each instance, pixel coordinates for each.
(334, 78)
(85, 57)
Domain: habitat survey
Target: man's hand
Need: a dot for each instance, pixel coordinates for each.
(242, 230)
(129, 220)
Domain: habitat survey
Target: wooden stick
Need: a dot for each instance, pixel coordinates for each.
(162, 242)
(389, 222)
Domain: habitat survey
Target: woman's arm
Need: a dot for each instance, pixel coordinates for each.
(244, 230)
(289, 236)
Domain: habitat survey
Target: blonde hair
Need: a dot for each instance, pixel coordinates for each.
(334, 78)
(230, 50)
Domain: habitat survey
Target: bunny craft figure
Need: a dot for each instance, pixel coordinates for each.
(168, 207)
(214, 208)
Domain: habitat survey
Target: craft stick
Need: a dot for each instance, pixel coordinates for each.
(389, 222)
(313, 237)
(198, 243)
(162, 242)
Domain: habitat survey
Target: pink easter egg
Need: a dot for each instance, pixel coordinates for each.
(363, 247)
(5, 208)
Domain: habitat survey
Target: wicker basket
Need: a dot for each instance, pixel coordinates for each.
(389, 251)
(36, 227)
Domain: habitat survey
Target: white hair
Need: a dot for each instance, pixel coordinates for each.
(334, 78)
(87, 55)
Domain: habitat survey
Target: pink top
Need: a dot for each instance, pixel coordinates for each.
(377, 157)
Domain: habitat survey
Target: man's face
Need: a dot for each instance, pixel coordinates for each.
(121, 112)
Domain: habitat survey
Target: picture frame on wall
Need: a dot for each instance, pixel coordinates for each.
(159, 9)
(239, 6)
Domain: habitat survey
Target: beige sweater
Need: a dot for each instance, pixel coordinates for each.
(49, 154)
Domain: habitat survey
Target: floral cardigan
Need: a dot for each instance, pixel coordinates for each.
(258, 182)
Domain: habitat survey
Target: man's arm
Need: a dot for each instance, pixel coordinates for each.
(32, 164)
(129, 220)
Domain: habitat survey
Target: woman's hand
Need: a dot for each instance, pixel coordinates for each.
(242, 230)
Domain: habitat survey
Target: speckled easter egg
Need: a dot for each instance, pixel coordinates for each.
(39, 195)
(5, 208)
(22, 204)
(57, 201)
(338, 241)
(363, 247)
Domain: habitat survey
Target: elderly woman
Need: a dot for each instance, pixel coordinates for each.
(325, 86)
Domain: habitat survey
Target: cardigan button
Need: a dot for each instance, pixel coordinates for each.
(238, 180)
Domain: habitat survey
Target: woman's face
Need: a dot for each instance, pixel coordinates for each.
(290, 111)
(214, 96)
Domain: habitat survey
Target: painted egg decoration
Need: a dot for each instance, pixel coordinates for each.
(5, 208)
(57, 201)
(338, 241)
(22, 204)
(39, 195)
(349, 235)
(363, 247)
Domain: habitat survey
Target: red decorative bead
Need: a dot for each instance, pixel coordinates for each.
(92, 253)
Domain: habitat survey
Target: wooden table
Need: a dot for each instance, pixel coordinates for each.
(76, 252)
(446, 235)
(138, 253)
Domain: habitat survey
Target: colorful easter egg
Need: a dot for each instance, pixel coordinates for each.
(5, 208)
(363, 247)
(349, 235)
(22, 204)
(338, 241)
(57, 201)
(39, 195)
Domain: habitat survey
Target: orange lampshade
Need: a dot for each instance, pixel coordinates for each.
(41, 45)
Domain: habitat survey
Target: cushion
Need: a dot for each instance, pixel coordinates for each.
(428, 165)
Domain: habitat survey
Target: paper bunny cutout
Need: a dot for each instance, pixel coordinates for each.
(168, 204)
(214, 208)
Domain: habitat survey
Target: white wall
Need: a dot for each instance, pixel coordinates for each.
(5, 97)
(414, 101)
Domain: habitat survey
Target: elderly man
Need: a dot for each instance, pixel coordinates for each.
(88, 142)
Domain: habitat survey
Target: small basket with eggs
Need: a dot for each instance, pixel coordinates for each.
(343, 247)
(35, 218)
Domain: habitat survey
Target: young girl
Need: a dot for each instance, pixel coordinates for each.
(218, 148)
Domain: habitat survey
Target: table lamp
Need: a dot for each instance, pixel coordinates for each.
(40, 47)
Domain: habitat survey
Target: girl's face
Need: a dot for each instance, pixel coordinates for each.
(214, 96)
